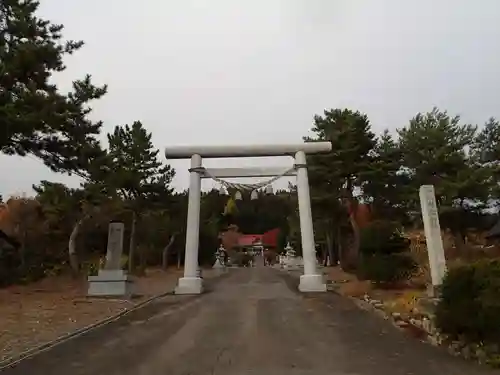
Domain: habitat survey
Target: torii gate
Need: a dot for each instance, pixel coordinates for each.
(191, 283)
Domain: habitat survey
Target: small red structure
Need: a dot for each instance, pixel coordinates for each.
(249, 240)
(268, 239)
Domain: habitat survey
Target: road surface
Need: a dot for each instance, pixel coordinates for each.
(253, 322)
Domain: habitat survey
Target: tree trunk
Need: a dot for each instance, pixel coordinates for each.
(143, 260)
(356, 237)
(345, 253)
(333, 254)
(22, 249)
(131, 248)
(73, 256)
(353, 251)
(164, 259)
(324, 253)
(459, 238)
(341, 250)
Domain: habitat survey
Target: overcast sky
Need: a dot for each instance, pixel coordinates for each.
(256, 71)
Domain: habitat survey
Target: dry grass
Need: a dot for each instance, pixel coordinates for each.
(348, 284)
(404, 301)
(404, 298)
(356, 288)
(40, 312)
(474, 250)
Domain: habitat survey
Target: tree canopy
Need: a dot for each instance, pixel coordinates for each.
(35, 117)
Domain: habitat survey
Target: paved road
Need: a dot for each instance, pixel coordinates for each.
(252, 323)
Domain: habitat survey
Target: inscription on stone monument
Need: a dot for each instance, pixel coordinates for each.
(432, 230)
(115, 246)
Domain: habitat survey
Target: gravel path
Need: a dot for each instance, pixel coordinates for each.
(253, 322)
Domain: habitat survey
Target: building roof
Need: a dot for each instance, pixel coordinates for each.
(249, 239)
(270, 238)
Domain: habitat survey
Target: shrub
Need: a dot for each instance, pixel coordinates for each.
(384, 257)
(91, 267)
(382, 238)
(470, 302)
(386, 269)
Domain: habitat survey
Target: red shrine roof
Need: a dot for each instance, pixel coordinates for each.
(249, 239)
(269, 239)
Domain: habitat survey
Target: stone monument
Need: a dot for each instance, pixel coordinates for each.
(218, 264)
(291, 260)
(219, 258)
(432, 229)
(112, 281)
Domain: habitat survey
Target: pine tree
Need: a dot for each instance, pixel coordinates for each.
(487, 143)
(335, 176)
(486, 152)
(388, 187)
(136, 173)
(35, 117)
(436, 151)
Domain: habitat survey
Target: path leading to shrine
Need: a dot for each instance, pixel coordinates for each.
(253, 322)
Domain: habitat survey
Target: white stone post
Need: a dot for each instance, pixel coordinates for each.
(432, 229)
(192, 283)
(311, 280)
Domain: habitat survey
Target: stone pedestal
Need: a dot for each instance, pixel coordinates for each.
(110, 283)
(282, 260)
(312, 283)
(293, 263)
(189, 285)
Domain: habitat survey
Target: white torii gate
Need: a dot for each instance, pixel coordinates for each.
(191, 283)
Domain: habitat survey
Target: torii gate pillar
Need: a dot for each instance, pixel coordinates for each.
(311, 280)
(191, 283)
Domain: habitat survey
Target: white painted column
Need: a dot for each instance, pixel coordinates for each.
(191, 283)
(311, 280)
(432, 229)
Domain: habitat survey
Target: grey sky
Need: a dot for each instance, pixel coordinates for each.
(234, 71)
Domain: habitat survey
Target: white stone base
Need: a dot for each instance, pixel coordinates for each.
(189, 285)
(434, 291)
(312, 283)
(217, 264)
(110, 283)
